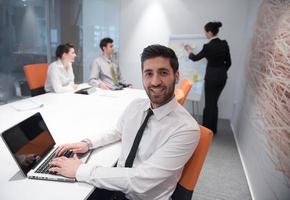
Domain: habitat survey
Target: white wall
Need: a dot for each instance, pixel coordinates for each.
(241, 81)
(266, 178)
(145, 22)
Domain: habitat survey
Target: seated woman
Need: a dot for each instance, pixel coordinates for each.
(60, 76)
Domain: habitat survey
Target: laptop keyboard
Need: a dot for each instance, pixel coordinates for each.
(44, 167)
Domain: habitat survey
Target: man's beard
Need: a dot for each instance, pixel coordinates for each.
(165, 98)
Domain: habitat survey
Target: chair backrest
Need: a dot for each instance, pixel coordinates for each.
(36, 76)
(193, 167)
(182, 91)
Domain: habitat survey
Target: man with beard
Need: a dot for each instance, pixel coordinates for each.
(149, 166)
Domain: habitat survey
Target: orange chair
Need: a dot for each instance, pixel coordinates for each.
(182, 91)
(191, 171)
(36, 76)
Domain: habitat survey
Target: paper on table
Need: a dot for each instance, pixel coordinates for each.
(26, 104)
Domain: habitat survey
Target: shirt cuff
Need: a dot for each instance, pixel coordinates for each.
(83, 172)
(90, 145)
(94, 82)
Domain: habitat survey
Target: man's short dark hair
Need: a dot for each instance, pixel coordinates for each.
(63, 48)
(105, 41)
(157, 50)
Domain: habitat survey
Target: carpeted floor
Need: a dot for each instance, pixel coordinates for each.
(222, 176)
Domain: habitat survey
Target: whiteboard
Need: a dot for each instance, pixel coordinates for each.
(188, 69)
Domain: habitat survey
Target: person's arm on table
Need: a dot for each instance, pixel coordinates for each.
(68, 166)
(122, 81)
(158, 168)
(94, 78)
(83, 146)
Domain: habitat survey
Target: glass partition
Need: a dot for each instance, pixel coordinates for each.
(23, 39)
(100, 19)
(32, 29)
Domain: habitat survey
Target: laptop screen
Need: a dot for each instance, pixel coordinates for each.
(29, 141)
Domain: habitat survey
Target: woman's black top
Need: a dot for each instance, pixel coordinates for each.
(217, 53)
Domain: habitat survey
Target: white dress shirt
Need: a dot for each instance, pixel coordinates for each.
(100, 72)
(58, 78)
(168, 142)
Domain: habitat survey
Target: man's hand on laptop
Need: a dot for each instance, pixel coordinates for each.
(79, 147)
(65, 166)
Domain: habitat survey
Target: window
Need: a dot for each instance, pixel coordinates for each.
(32, 29)
(23, 39)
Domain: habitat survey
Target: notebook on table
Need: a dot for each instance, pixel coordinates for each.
(116, 87)
(87, 91)
(120, 86)
(32, 147)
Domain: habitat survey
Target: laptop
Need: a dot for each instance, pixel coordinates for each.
(32, 147)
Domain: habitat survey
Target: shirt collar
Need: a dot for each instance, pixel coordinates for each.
(214, 37)
(164, 110)
(59, 63)
(106, 59)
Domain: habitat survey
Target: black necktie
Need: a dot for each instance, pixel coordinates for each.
(133, 151)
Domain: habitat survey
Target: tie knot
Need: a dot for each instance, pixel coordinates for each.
(149, 112)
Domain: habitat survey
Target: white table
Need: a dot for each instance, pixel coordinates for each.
(69, 117)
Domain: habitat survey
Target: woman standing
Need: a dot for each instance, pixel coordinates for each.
(60, 76)
(217, 53)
